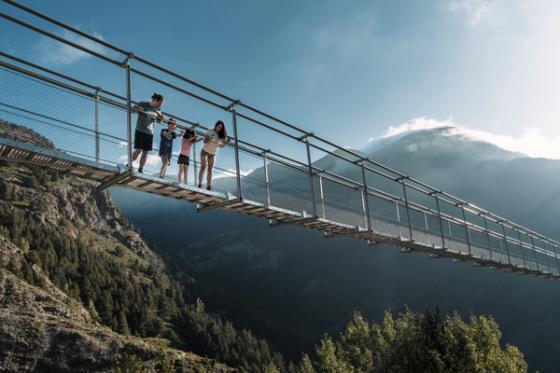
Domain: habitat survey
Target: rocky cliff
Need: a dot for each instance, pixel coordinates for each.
(42, 329)
(80, 290)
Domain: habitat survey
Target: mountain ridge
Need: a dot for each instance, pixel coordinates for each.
(66, 249)
(314, 285)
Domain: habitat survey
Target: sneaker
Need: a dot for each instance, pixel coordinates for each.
(209, 187)
(200, 186)
(140, 171)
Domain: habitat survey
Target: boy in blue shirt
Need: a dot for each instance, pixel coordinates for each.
(167, 135)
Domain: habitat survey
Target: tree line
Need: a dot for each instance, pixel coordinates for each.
(132, 296)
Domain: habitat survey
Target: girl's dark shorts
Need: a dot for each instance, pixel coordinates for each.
(183, 159)
(205, 154)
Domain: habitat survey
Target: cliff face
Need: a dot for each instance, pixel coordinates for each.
(80, 290)
(42, 329)
(56, 201)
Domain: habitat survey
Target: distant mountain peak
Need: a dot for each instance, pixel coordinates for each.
(531, 143)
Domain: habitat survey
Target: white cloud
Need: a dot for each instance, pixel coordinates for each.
(56, 53)
(422, 123)
(532, 141)
(475, 10)
(511, 57)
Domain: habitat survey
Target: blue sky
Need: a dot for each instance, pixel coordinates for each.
(347, 70)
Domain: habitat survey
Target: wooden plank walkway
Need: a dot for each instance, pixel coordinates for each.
(383, 230)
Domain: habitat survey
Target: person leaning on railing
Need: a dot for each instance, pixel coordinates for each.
(148, 114)
(213, 139)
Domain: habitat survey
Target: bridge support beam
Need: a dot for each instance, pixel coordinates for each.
(114, 180)
(213, 206)
(276, 223)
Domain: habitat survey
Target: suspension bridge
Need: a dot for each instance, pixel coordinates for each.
(270, 169)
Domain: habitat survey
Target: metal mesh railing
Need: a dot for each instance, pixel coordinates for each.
(64, 117)
(93, 126)
(340, 186)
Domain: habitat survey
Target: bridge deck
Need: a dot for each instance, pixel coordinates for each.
(276, 170)
(383, 230)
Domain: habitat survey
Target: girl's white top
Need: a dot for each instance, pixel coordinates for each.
(211, 147)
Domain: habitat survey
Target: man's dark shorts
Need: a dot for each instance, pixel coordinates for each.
(143, 141)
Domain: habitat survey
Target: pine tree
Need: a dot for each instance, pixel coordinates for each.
(128, 363)
(122, 323)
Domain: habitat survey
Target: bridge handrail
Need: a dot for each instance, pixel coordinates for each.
(281, 159)
(369, 164)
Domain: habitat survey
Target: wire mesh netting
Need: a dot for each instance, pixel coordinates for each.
(64, 117)
(92, 125)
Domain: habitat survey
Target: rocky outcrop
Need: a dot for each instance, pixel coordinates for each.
(42, 329)
(57, 225)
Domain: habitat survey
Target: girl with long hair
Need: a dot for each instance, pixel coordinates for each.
(213, 140)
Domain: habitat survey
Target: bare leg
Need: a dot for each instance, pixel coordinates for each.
(186, 173)
(202, 169)
(164, 164)
(143, 158)
(135, 154)
(180, 172)
(209, 173)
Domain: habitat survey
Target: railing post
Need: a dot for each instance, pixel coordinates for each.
(364, 208)
(440, 222)
(505, 242)
(488, 236)
(407, 209)
(194, 154)
(311, 181)
(535, 252)
(556, 258)
(236, 149)
(128, 114)
(365, 199)
(548, 261)
(467, 230)
(266, 181)
(322, 196)
(521, 247)
(97, 124)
